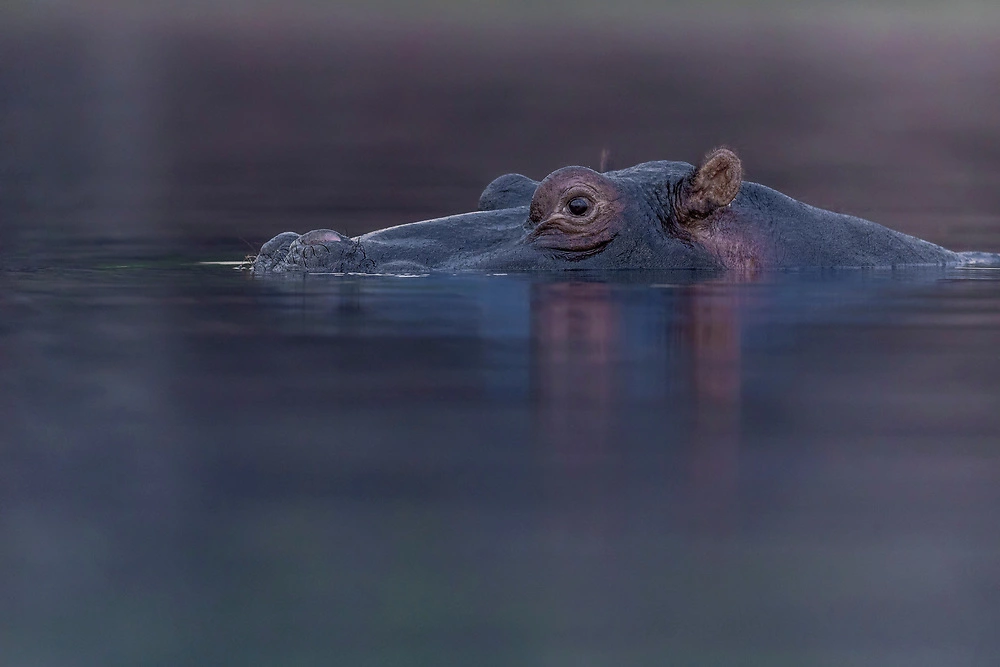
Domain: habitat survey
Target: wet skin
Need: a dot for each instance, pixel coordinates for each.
(656, 215)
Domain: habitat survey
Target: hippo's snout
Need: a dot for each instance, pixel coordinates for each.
(321, 250)
(272, 252)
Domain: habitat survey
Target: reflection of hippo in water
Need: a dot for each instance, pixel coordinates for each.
(657, 215)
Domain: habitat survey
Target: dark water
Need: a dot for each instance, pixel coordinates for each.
(200, 468)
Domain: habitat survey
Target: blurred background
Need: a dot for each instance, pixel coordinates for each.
(209, 126)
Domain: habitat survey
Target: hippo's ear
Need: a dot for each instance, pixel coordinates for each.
(712, 186)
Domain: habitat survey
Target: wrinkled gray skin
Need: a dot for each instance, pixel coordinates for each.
(657, 215)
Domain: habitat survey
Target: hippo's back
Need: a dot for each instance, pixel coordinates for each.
(795, 234)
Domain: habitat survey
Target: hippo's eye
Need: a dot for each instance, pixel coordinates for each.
(578, 206)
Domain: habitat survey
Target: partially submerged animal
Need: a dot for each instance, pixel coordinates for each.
(656, 215)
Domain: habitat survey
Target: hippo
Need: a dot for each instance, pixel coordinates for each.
(655, 215)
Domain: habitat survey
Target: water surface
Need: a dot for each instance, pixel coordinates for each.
(200, 467)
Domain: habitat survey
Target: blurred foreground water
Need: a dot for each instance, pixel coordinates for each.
(201, 468)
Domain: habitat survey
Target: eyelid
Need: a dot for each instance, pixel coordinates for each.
(577, 193)
(581, 190)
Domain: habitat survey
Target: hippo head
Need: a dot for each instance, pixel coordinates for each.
(648, 216)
